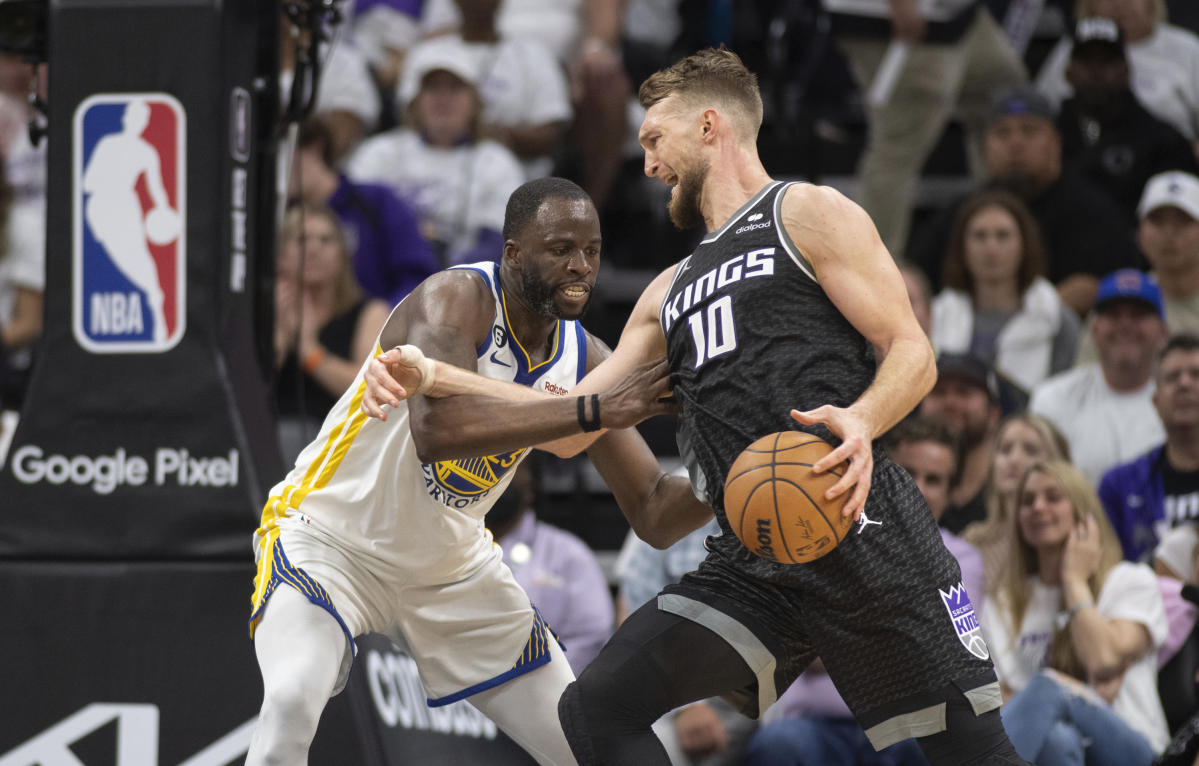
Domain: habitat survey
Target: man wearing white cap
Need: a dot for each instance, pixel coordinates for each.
(458, 183)
(1168, 235)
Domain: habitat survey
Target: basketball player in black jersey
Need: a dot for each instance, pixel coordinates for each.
(790, 314)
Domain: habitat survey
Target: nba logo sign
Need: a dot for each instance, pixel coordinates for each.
(129, 258)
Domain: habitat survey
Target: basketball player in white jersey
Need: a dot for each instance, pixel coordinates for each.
(379, 527)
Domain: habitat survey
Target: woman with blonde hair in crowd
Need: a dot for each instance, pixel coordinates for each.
(997, 304)
(1073, 631)
(324, 329)
(1020, 441)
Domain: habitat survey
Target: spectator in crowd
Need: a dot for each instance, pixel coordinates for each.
(526, 106)
(1168, 234)
(22, 282)
(810, 725)
(389, 255)
(966, 399)
(584, 36)
(1159, 490)
(1020, 441)
(24, 163)
(1107, 136)
(346, 99)
(384, 30)
(1163, 59)
(1084, 234)
(1105, 410)
(557, 569)
(954, 57)
(706, 733)
(1074, 630)
(458, 182)
(997, 304)
(1178, 657)
(323, 328)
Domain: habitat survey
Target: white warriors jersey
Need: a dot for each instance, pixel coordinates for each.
(361, 483)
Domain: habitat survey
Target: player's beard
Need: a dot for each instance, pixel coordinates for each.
(684, 205)
(539, 296)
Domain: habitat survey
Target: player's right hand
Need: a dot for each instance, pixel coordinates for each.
(392, 377)
(642, 395)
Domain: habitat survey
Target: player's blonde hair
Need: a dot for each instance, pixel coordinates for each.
(1017, 583)
(712, 78)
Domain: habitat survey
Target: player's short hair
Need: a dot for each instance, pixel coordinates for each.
(713, 75)
(529, 197)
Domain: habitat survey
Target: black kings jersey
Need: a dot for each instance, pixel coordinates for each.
(750, 335)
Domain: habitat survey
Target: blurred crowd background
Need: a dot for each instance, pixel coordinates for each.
(1031, 165)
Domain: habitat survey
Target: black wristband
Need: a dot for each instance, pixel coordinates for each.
(592, 423)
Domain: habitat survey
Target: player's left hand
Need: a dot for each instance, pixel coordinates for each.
(855, 447)
(700, 730)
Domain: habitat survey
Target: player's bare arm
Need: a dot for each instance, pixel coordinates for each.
(449, 317)
(397, 373)
(860, 277)
(661, 509)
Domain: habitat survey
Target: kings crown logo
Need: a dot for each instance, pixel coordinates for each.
(965, 620)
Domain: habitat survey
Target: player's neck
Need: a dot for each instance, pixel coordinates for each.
(532, 330)
(734, 177)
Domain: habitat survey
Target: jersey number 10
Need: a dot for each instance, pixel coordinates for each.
(713, 330)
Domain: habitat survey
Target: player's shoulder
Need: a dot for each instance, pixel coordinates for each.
(810, 198)
(452, 286)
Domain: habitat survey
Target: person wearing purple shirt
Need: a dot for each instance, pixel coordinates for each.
(810, 723)
(557, 569)
(389, 255)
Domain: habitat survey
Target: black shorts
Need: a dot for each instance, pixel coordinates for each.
(885, 611)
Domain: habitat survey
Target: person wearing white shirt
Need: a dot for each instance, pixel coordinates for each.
(1074, 630)
(458, 184)
(1105, 410)
(526, 104)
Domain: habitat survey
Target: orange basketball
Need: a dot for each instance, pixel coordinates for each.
(776, 505)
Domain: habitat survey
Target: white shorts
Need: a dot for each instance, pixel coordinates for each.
(465, 636)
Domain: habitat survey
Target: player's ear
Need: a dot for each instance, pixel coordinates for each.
(511, 252)
(707, 124)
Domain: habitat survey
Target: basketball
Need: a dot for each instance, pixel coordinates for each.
(776, 505)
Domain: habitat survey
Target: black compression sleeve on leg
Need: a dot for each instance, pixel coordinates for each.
(655, 662)
(969, 739)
